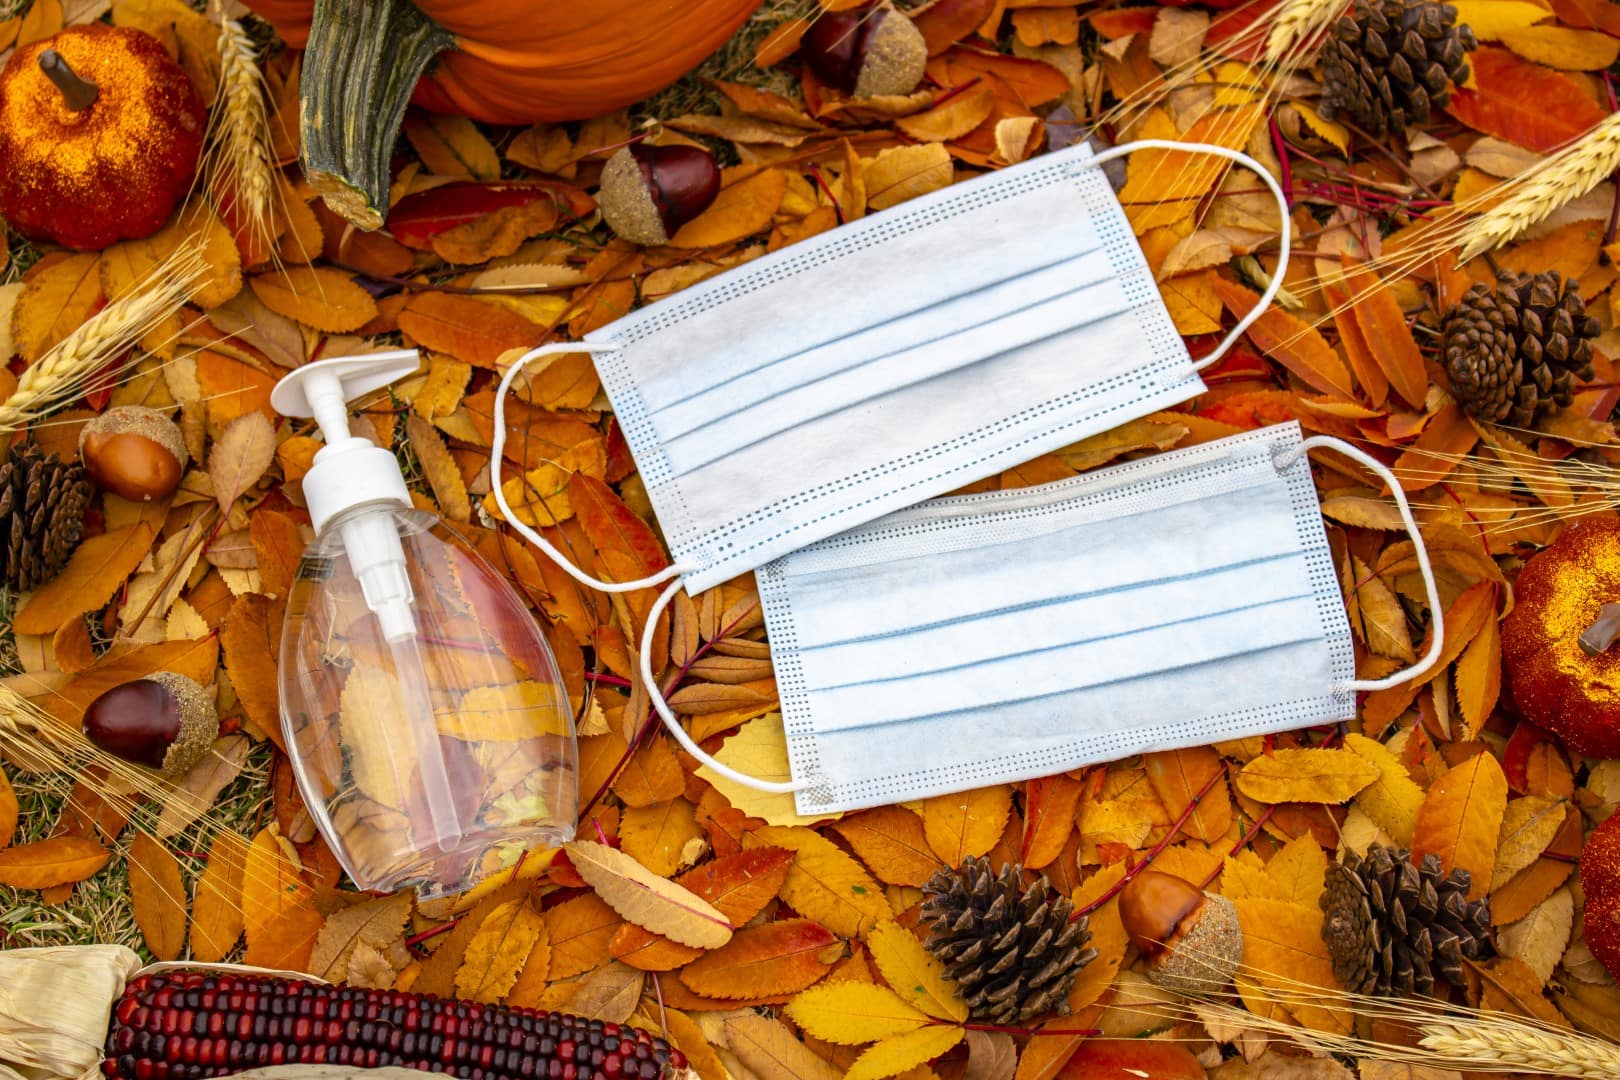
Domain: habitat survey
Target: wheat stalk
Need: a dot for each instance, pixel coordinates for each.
(1559, 180)
(1297, 21)
(1501, 1042)
(61, 374)
(240, 165)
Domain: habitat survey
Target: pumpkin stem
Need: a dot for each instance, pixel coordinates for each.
(1596, 638)
(362, 63)
(78, 93)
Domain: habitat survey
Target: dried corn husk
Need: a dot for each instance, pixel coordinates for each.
(55, 1005)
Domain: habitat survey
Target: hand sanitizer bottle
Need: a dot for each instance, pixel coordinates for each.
(423, 713)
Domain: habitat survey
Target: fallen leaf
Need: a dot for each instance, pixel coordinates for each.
(216, 907)
(1049, 806)
(916, 974)
(758, 748)
(1177, 776)
(497, 951)
(278, 906)
(780, 957)
(769, 1048)
(316, 296)
(898, 1053)
(905, 172)
(374, 923)
(739, 886)
(967, 823)
(96, 569)
(240, 456)
(609, 994)
(825, 884)
(1461, 818)
(158, 896)
(55, 301)
(647, 900)
(1292, 342)
(9, 811)
(1317, 776)
(451, 145)
(60, 860)
(744, 207)
(851, 1013)
(1529, 825)
(1540, 938)
(1392, 800)
(1384, 326)
(1524, 103)
(658, 836)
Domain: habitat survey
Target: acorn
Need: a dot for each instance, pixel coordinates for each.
(164, 722)
(135, 452)
(649, 192)
(869, 51)
(1191, 939)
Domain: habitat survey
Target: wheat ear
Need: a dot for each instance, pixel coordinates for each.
(1525, 1048)
(60, 375)
(1558, 181)
(240, 165)
(1297, 21)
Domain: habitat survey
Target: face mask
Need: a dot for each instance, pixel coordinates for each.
(1182, 599)
(887, 361)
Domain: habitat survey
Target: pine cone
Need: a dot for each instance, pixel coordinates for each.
(1012, 950)
(42, 503)
(1391, 927)
(1515, 352)
(1389, 63)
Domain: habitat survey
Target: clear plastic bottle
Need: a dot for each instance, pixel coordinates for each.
(424, 714)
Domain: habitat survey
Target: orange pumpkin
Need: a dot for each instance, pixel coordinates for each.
(501, 61)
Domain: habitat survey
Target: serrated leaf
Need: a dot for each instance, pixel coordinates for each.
(452, 145)
(316, 296)
(241, 454)
(1384, 326)
(1381, 617)
(658, 836)
(852, 1013)
(646, 899)
(771, 1050)
(1461, 818)
(915, 973)
(758, 748)
(439, 469)
(902, 1052)
(738, 885)
(1292, 342)
(1392, 801)
(1049, 806)
(1521, 102)
(966, 823)
(158, 896)
(780, 957)
(199, 788)
(368, 713)
(376, 923)
(1176, 776)
(1315, 776)
(1528, 827)
(825, 884)
(1282, 944)
(278, 905)
(497, 951)
(95, 571)
(509, 713)
(1479, 677)
(1540, 938)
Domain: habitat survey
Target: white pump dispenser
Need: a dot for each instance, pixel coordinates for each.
(359, 485)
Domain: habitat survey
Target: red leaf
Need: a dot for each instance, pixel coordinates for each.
(1524, 103)
(1122, 22)
(626, 545)
(417, 218)
(945, 22)
(1035, 82)
(1233, 33)
(1589, 15)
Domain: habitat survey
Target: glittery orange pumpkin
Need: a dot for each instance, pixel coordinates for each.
(1557, 683)
(100, 132)
(1600, 881)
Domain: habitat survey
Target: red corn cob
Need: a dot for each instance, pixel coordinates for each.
(184, 1025)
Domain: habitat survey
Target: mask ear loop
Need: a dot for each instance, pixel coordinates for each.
(1283, 248)
(1432, 592)
(672, 574)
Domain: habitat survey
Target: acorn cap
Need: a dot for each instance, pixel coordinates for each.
(165, 722)
(894, 58)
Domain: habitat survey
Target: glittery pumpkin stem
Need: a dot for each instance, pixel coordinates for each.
(1595, 639)
(79, 93)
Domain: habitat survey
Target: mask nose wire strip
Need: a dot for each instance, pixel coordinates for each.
(775, 787)
(498, 446)
(1283, 248)
(1438, 628)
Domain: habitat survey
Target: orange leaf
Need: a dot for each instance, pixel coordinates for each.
(8, 811)
(744, 207)
(231, 388)
(1461, 817)
(472, 330)
(781, 957)
(739, 886)
(92, 575)
(1363, 364)
(967, 822)
(1384, 326)
(1049, 805)
(1524, 103)
(216, 909)
(1437, 451)
(316, 296)
(580, 930)
(61, 860)
(158, 896)
(1290, 341)
(1178, 775)
(195, 659)
(278, 908)
(252, 639)
(946, 22)
(279, 545)
(1033, 82)
(890, 840)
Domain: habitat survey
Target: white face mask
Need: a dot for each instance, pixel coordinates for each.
(884, 362)
(1176, 600)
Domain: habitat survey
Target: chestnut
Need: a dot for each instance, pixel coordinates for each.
(1191, 939)
(134, 452)
(649, 192)
(869, 51)
(164, 722)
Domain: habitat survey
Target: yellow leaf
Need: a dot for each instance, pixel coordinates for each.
(509, 713)
(825, 884)
(743, 208)
(1318, 776)
(369, 710)
(452, 145)
(316, 296)
(967, 823)
(498, 950)
(1298, 872)
(901, 1052)
(1245, 878)
(657, 836)
(770, 1049)
(1392, 801)
(439, 469)
(1332, 131)
(1108, 937)
(915, 973)
(905, 172)
(955, 118)
(579, 931)
(1176, 776)
(158, 896)
(216, 909)
(1377, 612)
(1479, 677)
(1562, 47)
(278, 905)
(1490, 19)
(1283, 946)
(240, 456)
(373, 924)
(759, 748)
(55, 301)
(851, 1013)
(1528, 828)
(61, 860)
(91, 576)
(646, 899)
(1461, 818)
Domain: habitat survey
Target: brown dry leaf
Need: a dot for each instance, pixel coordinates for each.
(744, 207)
(1377, 612)
(905, 172)
(1529, 825)
(452, 145)
(891, 840)
(440, 469)
(609, 994)
(278, 908)
(1177, 776)
(316, 296)
(498, 950)
(98, 567)
(1539, 939)
(240, 456)
(216, 909)
(158, 895)
(1314, 776)
(374, 923)
(781, 957)
(61, 860)
(647, 900)
(966, 823)
(278, 544)
(56, 299)
(1461, 819)
(770, 1049)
